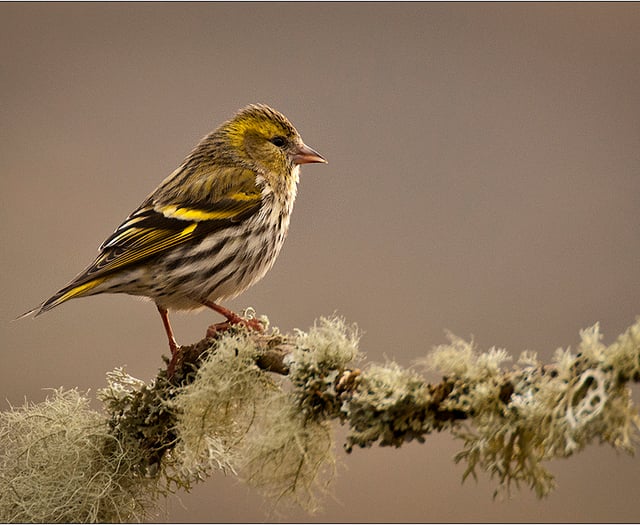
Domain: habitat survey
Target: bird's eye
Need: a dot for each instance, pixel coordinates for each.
(279, 141)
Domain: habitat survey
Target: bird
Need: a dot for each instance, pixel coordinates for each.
(211, 229)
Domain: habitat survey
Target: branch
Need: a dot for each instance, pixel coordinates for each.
(260, 405)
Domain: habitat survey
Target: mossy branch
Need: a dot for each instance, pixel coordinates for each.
(260, 406)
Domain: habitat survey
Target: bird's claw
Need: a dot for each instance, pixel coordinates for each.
(252, 324)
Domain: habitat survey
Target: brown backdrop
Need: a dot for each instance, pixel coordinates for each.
(483, 178)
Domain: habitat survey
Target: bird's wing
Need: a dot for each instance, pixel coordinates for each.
(157, 226)
(231, 196)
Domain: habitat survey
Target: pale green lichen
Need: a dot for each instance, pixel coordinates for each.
(289, 452)
(234, 416)
(460, 359)
(317, 358)
(217, 409)
(59, 463)
(390, 405)
(551, 411)
(475, 378)
(330, 344)
(140, 417)
(623, 355)
(62, 461)
(288, 455)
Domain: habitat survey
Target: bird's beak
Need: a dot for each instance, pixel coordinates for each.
(305, 155)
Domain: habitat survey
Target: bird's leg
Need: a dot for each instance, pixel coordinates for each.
(232, 318)
(173, 345)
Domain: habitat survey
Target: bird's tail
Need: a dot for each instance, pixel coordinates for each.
(73, 289)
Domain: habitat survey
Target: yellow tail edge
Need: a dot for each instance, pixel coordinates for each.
(68, 292)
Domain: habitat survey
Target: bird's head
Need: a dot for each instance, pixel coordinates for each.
(265, 138)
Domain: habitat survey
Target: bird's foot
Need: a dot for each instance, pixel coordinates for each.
(232, 319)
(252, 324)
(216, 329)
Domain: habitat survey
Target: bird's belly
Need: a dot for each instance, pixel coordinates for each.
(218, 268)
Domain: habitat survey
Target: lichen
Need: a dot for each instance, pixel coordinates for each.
(390, 405)
(552, 410)
(225, 409)
(217, 409)
(316, 360)
(59, 463)
(289, 456)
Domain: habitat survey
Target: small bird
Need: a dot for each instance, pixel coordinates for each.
(211, 229)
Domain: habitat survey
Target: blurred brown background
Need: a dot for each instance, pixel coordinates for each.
(483, 178)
